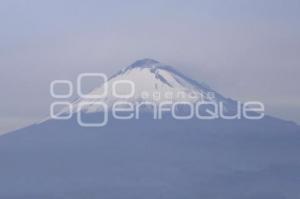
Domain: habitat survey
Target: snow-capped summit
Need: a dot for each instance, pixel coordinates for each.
(149, 81)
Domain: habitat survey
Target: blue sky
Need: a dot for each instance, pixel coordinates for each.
(245, 49)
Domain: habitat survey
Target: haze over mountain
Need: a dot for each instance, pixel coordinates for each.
(147, 158)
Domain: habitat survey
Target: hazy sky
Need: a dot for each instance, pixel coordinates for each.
(245, 49)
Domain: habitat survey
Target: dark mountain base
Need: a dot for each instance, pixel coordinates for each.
(144, 159)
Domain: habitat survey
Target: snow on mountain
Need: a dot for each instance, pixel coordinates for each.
(152, 82)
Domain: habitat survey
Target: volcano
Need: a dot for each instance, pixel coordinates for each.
(147, 158)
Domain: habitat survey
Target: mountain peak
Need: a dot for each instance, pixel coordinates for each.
(147, 62)
(144, 63)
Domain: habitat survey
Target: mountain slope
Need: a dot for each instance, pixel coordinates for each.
(152, 159)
